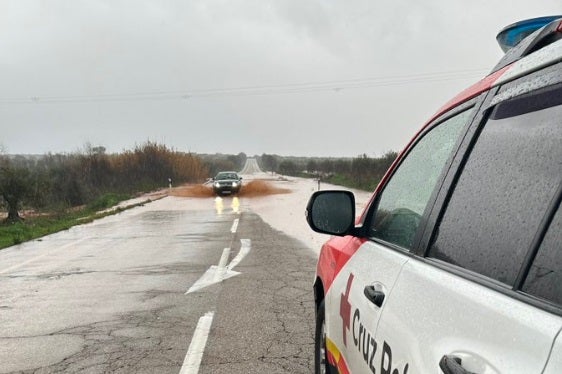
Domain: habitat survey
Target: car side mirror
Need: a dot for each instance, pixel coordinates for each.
(331, 212)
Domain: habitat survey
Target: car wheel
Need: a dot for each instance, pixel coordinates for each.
(320, 353)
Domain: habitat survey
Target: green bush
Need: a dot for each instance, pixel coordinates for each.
(106, 201)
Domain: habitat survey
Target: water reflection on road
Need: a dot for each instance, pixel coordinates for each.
(234, 205)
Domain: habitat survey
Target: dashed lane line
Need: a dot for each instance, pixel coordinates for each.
(196, 349)
(234, 226)
(214, 274)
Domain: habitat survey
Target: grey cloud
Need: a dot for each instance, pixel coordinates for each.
(94, 48)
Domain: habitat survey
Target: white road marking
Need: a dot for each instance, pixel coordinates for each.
(213, 275)
(196, 349)
(221, 269)
(234, 226)
(224, 257)
(244, 250)
(216, 274)
(43, 255)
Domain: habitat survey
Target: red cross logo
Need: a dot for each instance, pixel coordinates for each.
(345, 309)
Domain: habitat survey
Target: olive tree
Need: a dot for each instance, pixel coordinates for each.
(14, 187)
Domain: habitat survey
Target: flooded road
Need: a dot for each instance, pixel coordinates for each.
(128, 294)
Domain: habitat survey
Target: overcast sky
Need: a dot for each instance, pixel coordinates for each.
(290, 77)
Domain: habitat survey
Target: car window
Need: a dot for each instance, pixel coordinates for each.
(545, 276)
(226, 176)
(503, 191)
(404, 198)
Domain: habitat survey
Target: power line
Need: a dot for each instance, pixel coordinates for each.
(258, 90)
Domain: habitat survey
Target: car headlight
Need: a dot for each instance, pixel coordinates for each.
(234, 184)
(217, 184)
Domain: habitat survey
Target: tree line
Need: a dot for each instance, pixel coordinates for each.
(223, 162)
(361, 172)
(55, 182)
(60, 181)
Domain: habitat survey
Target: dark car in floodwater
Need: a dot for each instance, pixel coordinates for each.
(227, 182)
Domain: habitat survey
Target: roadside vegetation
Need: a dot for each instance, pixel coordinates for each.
(49, 193)
(40, 195)
(361, 172)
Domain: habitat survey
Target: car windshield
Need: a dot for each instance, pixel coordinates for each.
(226, 176)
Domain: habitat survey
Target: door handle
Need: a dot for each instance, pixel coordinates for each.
(374, 296)
(452, 365)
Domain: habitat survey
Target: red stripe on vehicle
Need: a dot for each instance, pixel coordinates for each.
(333, 257)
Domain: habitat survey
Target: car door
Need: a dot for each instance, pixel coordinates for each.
(544, 280)
(357, 296)
(486, 296)
(554, 365)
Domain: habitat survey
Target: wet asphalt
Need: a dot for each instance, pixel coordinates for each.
(111, 296)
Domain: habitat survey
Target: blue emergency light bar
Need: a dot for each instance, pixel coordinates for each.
(511, 35)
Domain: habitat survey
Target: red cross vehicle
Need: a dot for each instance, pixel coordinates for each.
(455, 264)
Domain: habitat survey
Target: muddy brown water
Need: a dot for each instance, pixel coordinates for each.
(254, 188)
